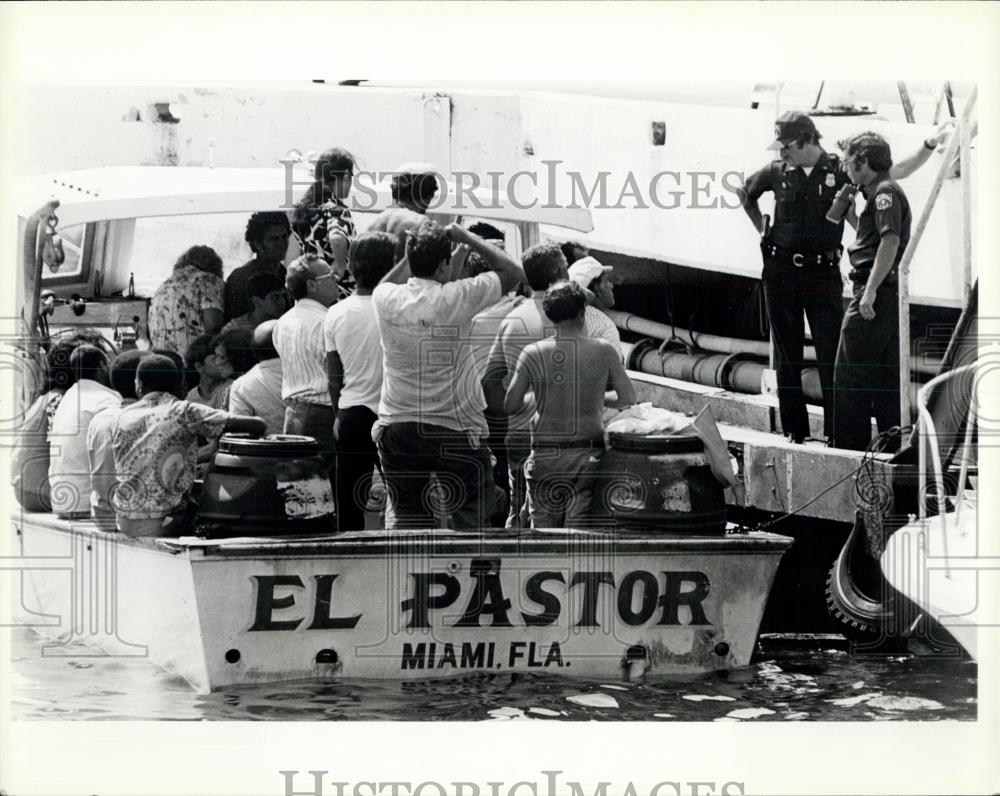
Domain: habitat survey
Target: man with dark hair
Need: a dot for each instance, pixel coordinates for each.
(568, 374)
(181, 389)
(209, 375)
(573, 251)
(487, 232)
(69, 462)
(802, 251)
(866, 375)
(354, 370)
(544, 265)
(103, 474)
(257, 393)
(413, 188)
(269, 299)
(431, 410)
(155, 445)
(298, 339)
(267, 234)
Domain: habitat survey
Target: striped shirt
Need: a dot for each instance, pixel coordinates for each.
(601, 326)
(298, 339)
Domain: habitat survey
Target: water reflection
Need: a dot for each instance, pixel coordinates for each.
(786, 685)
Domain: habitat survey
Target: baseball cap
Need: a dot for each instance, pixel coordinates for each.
(586, 270)
(415, 167)
(790, 126)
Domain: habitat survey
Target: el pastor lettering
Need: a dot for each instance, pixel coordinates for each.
(481, 600)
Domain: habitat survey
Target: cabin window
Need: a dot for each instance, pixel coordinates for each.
(78, 246)
(160, 241)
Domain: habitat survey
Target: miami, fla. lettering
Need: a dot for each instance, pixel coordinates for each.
(480, 655)
(434, 591)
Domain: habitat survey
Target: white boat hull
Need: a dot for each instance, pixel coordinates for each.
(400, 606)
(936, 563)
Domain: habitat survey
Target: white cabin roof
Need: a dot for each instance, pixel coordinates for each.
(119, 192)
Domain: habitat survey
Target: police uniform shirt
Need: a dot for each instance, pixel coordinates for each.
(801, 202)
(888, 211)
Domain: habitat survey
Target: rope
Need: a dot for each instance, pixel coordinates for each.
(877, 445)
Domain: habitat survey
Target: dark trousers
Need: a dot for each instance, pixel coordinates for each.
(316, 421)
(866, 378)
(412, 452)
(815, 295)
(518, 450)
(356, 458)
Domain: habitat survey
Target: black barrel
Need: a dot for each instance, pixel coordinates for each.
(271, 486)
(663, 483)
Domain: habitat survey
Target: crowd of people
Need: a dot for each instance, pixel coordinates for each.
(471, 383)
(398, 350)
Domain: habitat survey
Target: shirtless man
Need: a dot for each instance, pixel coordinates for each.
(568, 374)
(413, 189)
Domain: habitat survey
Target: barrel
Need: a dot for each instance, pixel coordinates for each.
(271, 486)
(663, 484)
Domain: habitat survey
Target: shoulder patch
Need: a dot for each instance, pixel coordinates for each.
(883, 201)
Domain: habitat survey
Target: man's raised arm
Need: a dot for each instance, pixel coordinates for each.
(506, 267)
(907, 166)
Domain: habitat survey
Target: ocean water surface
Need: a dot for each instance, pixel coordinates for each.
(816, 680)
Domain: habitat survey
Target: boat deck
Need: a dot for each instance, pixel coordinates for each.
(776, 475)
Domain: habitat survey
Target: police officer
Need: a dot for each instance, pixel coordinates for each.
(801, 254)
(866, 376)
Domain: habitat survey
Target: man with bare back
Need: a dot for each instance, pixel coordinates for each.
(568, 374)
(413, 188)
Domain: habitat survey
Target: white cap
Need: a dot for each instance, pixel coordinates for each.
(586, 270)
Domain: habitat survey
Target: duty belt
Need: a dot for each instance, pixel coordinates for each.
(859, 275)
(827, 259)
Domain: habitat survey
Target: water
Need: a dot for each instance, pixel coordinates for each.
(786, 684)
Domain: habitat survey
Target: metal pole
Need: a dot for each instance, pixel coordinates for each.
(904, 98)
(964, 165)
(904, 264)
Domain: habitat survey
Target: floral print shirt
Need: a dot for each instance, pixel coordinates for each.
(175, 311)
(156, 450)
(314, 227)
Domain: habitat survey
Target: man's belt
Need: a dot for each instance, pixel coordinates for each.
(859, 275)
(802, 260)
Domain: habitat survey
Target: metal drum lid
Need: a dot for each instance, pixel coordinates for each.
(281, 445)
(682, 442)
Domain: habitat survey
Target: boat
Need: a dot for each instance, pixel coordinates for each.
(936, 560)
(402, 606)
(242, 610)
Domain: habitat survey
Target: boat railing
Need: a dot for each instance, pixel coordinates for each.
(929, 440)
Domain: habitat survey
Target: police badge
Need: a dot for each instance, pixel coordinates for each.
(831, 180)
(883, 201)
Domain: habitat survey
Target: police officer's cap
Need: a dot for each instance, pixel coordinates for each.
(791, 126)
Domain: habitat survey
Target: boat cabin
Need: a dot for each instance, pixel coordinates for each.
(121, 229)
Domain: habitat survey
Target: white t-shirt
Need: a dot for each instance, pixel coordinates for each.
(429, 372)
(69, 458)
(351, 330)
(257, 393)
